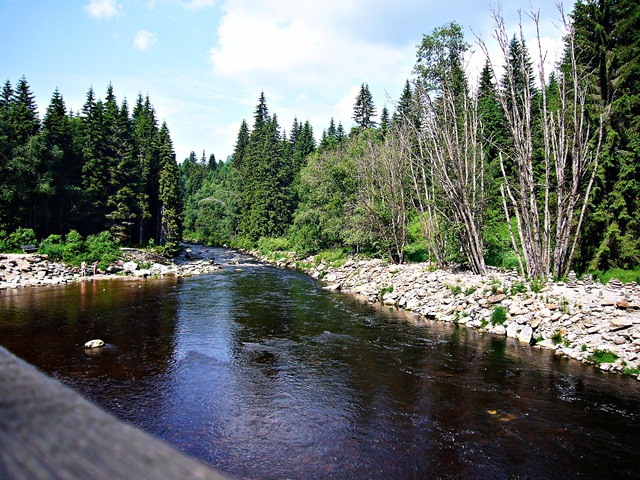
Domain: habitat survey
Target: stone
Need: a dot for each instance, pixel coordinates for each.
(332, 287)
(619, 340)
(620, 323)
(96, 343)
(525, 334)
(624, 305)
(512, 330)
(496, 298)
(129, 267)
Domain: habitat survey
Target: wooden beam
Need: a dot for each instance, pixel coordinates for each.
(48, 431)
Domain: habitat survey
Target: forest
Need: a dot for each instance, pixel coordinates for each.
(532, 166)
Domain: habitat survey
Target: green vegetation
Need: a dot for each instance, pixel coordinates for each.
(536, 285)
(455, 289)
(625, 276)
(557, 338)
(102, 168)
(499, 315)
(102, 247)
(469, 290)
(602, 356)
(385, 290)
(518, 287)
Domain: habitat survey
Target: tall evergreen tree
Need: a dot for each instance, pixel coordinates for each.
(169, 194)
(364, 109)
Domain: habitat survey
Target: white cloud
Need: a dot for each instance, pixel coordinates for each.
(103, 9)
(198, 4)
(144, 40)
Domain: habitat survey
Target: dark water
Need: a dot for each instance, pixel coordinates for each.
(263, 375)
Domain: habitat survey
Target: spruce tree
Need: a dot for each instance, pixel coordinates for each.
(364, 109)
(169, 194)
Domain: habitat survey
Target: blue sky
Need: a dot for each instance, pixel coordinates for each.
(203, 63)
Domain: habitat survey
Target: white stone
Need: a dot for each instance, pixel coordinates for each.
(97, 343)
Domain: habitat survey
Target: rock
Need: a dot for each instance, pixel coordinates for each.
(620, 323)
(525, 334)
(332, 288)
(624, 305)
(97, 343)
(496, 298)
(512, 330)
(129, 266)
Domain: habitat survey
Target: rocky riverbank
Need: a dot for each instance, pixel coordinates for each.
(580, 319)
(34, 270)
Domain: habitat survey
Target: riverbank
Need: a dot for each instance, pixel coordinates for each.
(579, 319)
(36, 270)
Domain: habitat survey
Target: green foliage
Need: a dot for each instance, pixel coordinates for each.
(334, 256)
(518, 287)
(536, 285)
(499, 315)
(385, 290)
(455, 289)
(102, 247)
(469, 290)
(13, 242)
(602, 356)
(556, 338)
(625, 276)
(53, 246)
(96, 169)
(270, 245)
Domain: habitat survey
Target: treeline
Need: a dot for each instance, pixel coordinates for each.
(103, 168)
(533, 168)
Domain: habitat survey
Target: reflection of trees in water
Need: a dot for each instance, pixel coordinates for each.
(48, 328)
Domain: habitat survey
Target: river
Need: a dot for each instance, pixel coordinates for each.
(262, 374)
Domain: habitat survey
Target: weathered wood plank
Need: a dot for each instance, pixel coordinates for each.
(48, 431)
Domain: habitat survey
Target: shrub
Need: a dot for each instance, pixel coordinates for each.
(556, 338)
(267, 245)
(499, 316)
(102, 247)
(53, 247)
(518, 287)
(536, 285)
(13, 242)
(602, 356)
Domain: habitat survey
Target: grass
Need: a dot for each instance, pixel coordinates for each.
(556, 338)
(455, 289)
(385, 290)
(499, 316)
(469, 291)
(536, 285)
(336, 257)
(602, 356)
(518, 287)
(625, 276)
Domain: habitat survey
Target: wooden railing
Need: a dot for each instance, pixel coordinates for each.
(48, 431)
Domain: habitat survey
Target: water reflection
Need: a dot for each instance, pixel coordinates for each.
(264, 375)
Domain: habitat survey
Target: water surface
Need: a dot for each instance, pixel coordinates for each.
(260, 373)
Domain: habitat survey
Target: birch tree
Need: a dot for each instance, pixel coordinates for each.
(549, 199)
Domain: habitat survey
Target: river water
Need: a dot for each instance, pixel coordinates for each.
(262, 374)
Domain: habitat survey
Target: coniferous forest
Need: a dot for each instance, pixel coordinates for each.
(531, 166)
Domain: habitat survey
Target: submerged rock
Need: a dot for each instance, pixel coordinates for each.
(96, 343)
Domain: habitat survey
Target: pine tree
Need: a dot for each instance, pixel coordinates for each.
(24, 113)
(607, 38)
(364, 109)
(169, 194)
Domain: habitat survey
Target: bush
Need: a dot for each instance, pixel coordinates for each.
(417, 252)
(14, 241)
(102, 247)
(499, 316)
(625, 276)
(602, 356)
(268, 245)
(53, 247)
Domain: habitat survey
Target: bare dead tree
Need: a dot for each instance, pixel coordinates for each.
(382, 174)
(546, 208)
(450, 138)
